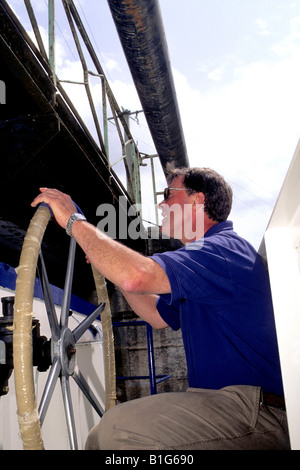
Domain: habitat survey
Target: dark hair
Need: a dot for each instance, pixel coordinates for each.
(218, 193)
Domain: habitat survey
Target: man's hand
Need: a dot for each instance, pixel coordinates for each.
(61, 204)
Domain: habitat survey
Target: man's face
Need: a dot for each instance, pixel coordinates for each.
(177, 212)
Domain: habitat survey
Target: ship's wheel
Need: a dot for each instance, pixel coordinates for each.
(61, 346)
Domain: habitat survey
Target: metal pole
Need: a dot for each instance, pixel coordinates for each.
(104, 106)
(51, 34)
(154, 187)
(151, 360)
(35, 28)
(132, 157)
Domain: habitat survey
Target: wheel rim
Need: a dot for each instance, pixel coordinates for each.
(63, 341)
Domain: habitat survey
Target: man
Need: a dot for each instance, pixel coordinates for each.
(216, 289)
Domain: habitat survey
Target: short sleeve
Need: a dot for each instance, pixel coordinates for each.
(169, 313)
(198, 275)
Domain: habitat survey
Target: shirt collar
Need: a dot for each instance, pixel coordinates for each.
(219, 227)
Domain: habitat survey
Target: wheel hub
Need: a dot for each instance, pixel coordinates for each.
(67, 352)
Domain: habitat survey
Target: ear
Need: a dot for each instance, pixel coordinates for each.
(199, 198)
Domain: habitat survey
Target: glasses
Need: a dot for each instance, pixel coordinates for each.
(167, 192)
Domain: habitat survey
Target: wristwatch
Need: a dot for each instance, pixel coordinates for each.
(72, 219)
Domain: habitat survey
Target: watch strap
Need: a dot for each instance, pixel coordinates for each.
(72, 219)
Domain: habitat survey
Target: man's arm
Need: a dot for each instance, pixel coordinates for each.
(131, 271)
(145, 307)
(135, 274)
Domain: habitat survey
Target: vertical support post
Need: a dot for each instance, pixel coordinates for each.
(154, 187)
(51, 36)
(151, 360)
(104, 106)
(136, 176)
(133, 164)
(2, 92)
(130, 187)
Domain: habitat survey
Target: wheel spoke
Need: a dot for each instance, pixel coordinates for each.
(66, 393)
(65, 308)
(49, 388)
(84, 387)
(50, 308)
(85, 324)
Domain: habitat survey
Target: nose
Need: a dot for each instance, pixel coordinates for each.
(161, 204)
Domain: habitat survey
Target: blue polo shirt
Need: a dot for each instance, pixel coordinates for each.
(221, 299)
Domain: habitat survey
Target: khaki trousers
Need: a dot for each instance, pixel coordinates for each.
(230, 418)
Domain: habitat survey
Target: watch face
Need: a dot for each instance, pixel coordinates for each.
(78, 216)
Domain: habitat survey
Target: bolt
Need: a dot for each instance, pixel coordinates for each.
(71, 351)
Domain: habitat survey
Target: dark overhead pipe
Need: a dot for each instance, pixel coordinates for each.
(140, 28)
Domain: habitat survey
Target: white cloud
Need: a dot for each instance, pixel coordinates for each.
(263, 26)
(39, 6)
(289, 47)
(126, 95)
(217, 74)
(111, 64)
(295, 26)
(247, 130)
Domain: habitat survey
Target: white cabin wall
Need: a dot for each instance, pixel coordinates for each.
(282, 247)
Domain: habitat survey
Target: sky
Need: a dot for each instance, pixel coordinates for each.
(236, 70)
